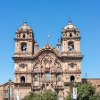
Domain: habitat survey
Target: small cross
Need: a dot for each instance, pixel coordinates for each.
(48, 39)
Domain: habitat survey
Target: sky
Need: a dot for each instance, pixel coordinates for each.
(48, 17)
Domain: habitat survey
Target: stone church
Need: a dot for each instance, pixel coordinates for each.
(48, 68)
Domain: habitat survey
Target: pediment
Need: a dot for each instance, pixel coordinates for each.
(47, 50)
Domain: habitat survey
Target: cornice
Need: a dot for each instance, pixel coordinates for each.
(21, 39)
(69, 38)
(34, 57)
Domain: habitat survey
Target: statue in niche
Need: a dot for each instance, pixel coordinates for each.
(47, 63)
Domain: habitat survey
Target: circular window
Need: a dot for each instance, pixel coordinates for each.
(72, 65)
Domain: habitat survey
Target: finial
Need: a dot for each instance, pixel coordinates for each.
(48, 39)
(70, 19)
(25, 22)
(58, 44)
(58, 41)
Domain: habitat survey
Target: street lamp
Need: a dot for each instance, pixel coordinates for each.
(74, 91)
(18, 94)
(9, 94)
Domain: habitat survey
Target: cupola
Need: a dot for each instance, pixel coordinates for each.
(25, 27)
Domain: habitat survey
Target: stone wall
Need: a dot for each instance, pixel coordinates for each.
(95, 82)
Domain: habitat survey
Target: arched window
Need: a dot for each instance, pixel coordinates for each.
(23, 35)
(22, 79)
(70, 46)
(47, 76)
(23, 47)
(72, 78)
(70, 34)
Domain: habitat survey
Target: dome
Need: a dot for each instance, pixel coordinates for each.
(70, 26)
(25, 27)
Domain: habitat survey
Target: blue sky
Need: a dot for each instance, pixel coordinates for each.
(49, 17)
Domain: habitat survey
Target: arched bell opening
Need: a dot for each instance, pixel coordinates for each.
(22, 79)
(24, 47)
(72, 78)
(71, 46)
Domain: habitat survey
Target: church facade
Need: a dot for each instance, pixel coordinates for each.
(48, 68)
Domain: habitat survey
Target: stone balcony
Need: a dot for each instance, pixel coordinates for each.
(59, 87)
(37, 87)
(22, 84)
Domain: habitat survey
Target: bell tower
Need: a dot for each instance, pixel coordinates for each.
(24, 41)
(24, 50)
(71, 51)
(70, 38)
